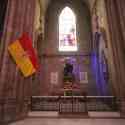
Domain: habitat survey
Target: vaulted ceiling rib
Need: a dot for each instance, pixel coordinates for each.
(45, 3)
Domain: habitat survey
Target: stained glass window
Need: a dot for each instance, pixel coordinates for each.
(67, 30)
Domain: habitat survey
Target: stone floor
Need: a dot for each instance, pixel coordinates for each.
(62, 121)
(53, 118)
(49, 114)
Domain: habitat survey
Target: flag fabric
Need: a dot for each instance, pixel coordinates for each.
(24, 55)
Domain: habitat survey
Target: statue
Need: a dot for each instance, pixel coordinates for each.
(68, 73)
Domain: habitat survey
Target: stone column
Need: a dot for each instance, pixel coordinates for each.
(19, 18)
(116, 20)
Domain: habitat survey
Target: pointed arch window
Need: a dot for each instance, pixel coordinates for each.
(67, 30)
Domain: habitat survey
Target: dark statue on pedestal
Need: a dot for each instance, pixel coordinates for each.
(68, 79)
(68, 73)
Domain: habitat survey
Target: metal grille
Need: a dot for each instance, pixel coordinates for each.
(102, 103)
(74, 104)
(45, 103)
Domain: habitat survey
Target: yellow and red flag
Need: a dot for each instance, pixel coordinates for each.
(24, 55)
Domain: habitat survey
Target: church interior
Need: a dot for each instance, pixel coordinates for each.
(70, 59)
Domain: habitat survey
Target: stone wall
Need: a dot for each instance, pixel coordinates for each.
(50, 55)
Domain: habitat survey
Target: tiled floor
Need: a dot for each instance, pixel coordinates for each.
(56, 121)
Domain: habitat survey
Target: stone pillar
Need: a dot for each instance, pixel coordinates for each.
(116, 20)
(19, 18)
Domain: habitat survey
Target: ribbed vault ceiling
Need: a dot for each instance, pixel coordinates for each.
(45, 3)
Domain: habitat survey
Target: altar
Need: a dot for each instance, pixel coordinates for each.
(71, 89)
(69, 83)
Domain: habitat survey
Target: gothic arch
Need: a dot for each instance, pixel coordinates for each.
(52, 27)
(67, 30)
